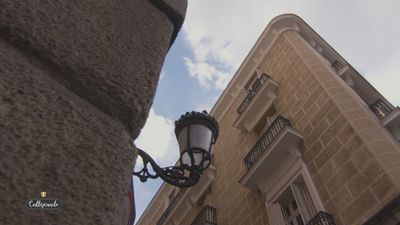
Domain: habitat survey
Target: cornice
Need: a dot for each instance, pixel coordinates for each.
(274, 29)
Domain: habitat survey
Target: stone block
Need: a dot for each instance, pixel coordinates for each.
(321, 127)
(383, 187)
(327, 153)
(52, 140)
(391, 160)
(381, 147)
(346, 134)
(363, 123)
(312, 152)
(362, 158)
(373, 170)
(323, 194)
(358, 184)
(109, 53)
(328, 170)
(322, 112)
(340, 200)
(179, 6)
(333, 130)
(358, 208)
(332, 115)
(344, 175)
(349, 105)
(343, 156)
(373, 134)
(395, 173)
(355, 143)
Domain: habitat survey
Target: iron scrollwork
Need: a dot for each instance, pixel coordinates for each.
(181, 176)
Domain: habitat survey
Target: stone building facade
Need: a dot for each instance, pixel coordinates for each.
(77, 79)
(304, 139)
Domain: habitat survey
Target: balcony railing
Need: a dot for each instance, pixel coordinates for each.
(252, 92)
(337, 66)
(266, 139)
(208, 215)
(322, 218)
(171, 206)
(380, 108)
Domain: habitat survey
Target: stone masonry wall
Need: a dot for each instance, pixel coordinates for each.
(77, 80)
(351, 176)
(235, 204)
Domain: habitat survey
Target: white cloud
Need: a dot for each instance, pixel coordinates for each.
(157, 138)
(207, 74)
(365, 32)
(162, 75)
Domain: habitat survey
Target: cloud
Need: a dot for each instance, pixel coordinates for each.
(157, 138)
(162, 75)
(207, 74)
(221, 33)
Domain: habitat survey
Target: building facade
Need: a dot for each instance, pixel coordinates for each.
(304, 139)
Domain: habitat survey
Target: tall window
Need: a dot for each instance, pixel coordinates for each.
(294, 206)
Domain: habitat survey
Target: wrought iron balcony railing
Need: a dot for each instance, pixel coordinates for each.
(381, 108)
(208, 215)
(171, 206)
(322, 218)
(266, 139)
(252, 92)
(337, 66)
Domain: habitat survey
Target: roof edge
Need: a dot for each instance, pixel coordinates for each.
(275, 27)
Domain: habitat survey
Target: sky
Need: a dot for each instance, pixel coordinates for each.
(218, 34)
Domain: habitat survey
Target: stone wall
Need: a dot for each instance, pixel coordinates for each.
(341, 150)
(235, 204)
(76, 85)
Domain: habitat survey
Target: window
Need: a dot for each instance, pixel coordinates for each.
(295, 204)
(291, 212)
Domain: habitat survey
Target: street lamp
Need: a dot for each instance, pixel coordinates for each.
(196, 133)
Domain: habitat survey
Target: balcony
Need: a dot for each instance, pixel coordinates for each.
(337, 66)
(322, 218)
(275, 146)
(381, 108)
(389, 116)
(259, 99)
(172, 205)
(207, 216)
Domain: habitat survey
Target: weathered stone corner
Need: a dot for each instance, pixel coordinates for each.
(77, 79)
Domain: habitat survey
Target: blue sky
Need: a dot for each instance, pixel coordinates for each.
(216, 37)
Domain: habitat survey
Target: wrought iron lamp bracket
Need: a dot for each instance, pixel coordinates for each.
(181, 176)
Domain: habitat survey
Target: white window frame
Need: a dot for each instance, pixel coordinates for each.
(296, 170)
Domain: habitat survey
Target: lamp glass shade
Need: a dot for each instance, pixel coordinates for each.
(200, 137)
(183, 140)
(196, 133)
(197, 156)
(194, 141)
